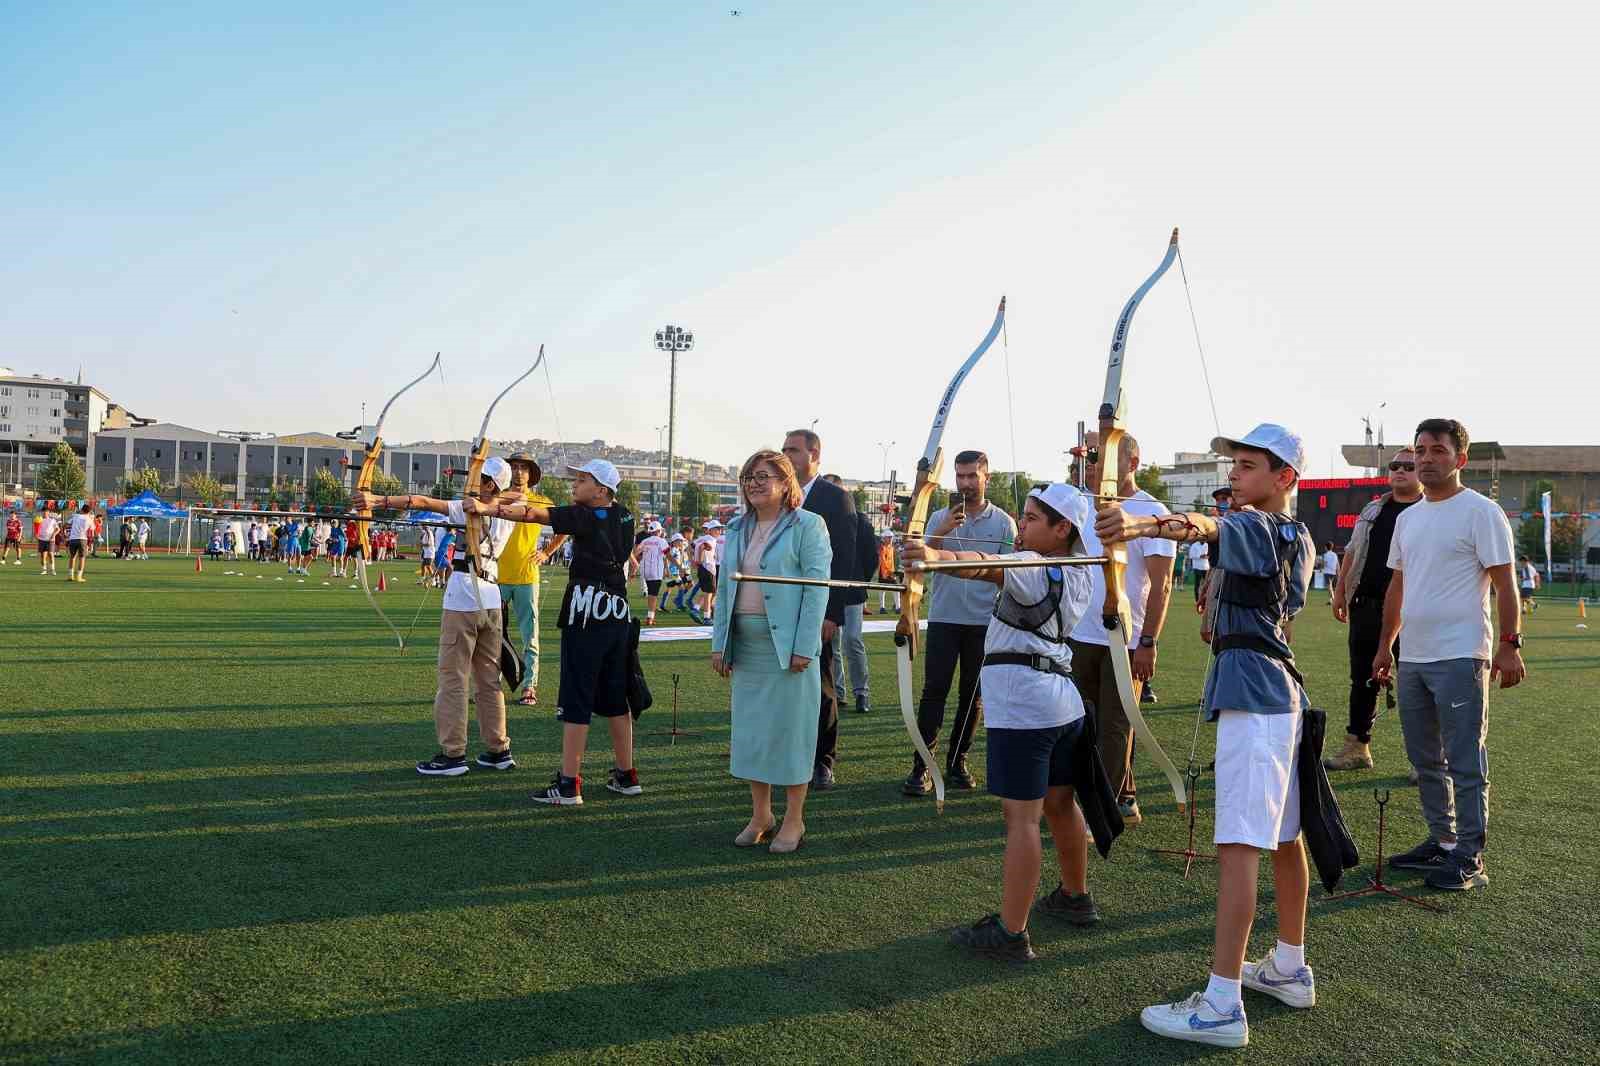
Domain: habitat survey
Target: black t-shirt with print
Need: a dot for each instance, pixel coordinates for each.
(602, 538)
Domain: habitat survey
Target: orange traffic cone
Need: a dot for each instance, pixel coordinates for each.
(197, 564)
(383, 583)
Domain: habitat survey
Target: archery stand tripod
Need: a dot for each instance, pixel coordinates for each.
(1375, 882)
(1191, 774)
(674, 732)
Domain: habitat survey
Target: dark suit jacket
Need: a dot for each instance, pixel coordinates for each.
(866, 560)
(837, 509)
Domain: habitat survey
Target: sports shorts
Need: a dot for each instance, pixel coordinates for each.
(1258, 786)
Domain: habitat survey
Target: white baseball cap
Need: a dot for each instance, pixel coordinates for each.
(677, 538)
(498, 471)
(712, 523)
(1270, 438)
(1064, 500)
(602, 470)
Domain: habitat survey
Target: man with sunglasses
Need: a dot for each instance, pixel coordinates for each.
(1358, 600)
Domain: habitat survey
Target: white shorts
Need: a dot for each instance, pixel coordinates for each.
(1258, 784)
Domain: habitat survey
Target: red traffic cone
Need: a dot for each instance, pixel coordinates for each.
(383, 583)
(197, 564)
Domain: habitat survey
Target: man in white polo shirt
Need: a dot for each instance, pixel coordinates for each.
(1446, 552)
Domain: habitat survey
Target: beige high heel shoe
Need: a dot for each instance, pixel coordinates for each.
(747, 839)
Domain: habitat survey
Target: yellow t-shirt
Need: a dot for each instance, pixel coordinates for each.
(516, 560)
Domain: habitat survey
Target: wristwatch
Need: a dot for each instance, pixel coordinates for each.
(1513, 639)
(1147, 642)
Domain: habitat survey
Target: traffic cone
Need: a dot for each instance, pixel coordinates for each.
(383, 583)
(197, 564)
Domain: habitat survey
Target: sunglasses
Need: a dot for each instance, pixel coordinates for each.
(1393, 467)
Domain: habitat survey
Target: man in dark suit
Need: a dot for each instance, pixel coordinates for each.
(837, 510)
(850, 646)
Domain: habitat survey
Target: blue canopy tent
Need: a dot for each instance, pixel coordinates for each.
(147, 505)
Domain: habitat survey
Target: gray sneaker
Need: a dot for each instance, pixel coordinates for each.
(1075, 910)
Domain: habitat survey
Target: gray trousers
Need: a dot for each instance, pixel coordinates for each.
(1444, 715)
(852, 647)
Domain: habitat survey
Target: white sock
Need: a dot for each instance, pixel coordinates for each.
(1288, 958)
(1224, 994)
(1447, 847)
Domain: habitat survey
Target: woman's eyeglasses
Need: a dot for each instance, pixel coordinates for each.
(1393, 467)
(758, 479)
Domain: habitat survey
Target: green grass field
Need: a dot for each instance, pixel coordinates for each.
(215, 849)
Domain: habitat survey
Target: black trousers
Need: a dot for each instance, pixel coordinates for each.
(949, 645)
(828, 716)
(1366, 628)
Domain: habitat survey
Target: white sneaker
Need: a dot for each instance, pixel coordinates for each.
(1297, 990)
(1197, 1020)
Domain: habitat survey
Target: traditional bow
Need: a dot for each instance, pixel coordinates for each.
(1115, 615)
(369, 467)
(929, 469)
(480, 453)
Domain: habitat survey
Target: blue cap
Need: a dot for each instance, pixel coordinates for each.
(1267, 437)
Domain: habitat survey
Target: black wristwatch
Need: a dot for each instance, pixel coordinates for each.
(1513, 639)
(1147, 642)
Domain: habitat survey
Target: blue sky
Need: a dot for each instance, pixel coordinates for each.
(262, 219)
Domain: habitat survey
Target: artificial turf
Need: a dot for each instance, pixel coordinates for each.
(213, 848)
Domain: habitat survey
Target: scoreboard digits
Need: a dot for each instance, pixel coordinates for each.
(1330, 506)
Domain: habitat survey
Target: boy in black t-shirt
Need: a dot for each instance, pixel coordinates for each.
(595, 622)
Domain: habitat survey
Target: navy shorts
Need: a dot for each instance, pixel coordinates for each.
(1024, 763)
(652, 588)
(707, 580)
(594, 672)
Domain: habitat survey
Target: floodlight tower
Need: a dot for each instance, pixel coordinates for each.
(672, 340)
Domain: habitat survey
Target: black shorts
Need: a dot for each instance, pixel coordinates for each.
(707, 580)
(1025, 763)
(594, 672)
(652, 588)
(1527, 592)
(76, 548)
(45, 547)
(14, 540)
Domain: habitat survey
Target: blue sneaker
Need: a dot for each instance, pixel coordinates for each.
(1195, 1019)
(1298, 989)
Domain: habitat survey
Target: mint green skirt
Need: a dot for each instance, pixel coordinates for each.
(775, 710)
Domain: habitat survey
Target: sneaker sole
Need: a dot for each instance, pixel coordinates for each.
(562, 801)
(1198, 1036)
(1475, 881)
(454, 771)
(630, 790)
(996, 955)
(509, 765)
(1425, 867)
(1070, 917)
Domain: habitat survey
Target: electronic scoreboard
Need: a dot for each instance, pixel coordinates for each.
(1330, 506)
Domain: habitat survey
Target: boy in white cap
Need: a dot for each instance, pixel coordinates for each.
(595, 621)
(1040, 752)
(469, 642)
(650, 556)
(1253, 693)
(706, 554)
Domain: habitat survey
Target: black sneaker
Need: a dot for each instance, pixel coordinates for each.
(625, 782)
(822, 780)
(1427, 856)
(862, 706)
(989, 939)
(1459, 873)
(917, 783)
(1148, 695)
(959, 776)
(561, 792)
(442, 765)
(497, 760)
(1076, 910)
